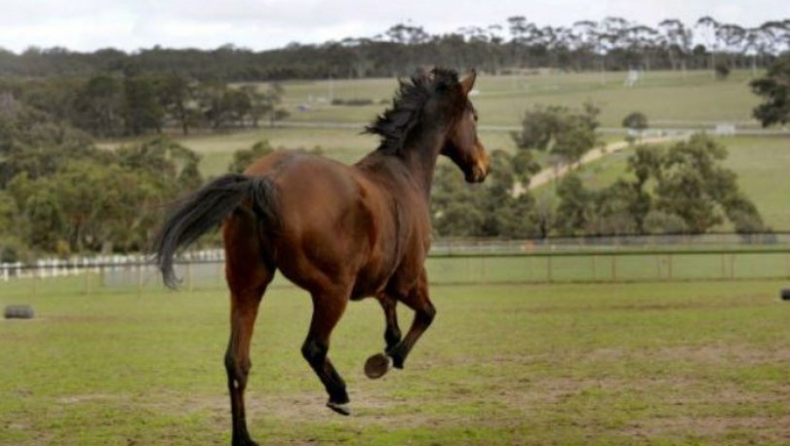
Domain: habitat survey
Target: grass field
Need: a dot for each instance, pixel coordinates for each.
(668, 99)
(642, 364)
(665, 97)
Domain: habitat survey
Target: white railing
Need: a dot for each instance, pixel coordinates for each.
(54, 267)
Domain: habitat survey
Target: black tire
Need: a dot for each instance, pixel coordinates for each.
(19, 312)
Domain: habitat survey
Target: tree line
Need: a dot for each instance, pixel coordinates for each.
(135, 103)
(60, 193)
(613, 43)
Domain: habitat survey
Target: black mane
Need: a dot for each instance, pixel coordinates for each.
(395, 124)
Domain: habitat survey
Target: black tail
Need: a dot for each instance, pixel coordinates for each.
(205, 209)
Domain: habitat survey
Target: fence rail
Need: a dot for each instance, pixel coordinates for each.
(507, 262)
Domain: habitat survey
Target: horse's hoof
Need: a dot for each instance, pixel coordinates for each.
(342, 409)
(243, 442)
(377, 366)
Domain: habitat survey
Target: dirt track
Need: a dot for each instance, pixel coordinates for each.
(550, 173)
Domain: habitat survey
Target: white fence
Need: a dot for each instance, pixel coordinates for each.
(592, 259)
(108, 266)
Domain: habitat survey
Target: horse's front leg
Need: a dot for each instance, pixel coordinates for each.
(418, 300)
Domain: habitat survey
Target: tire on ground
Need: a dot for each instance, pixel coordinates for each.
(19, 312)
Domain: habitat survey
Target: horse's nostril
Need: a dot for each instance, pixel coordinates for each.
(481, 171)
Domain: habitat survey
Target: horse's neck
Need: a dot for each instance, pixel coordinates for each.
(417, 162)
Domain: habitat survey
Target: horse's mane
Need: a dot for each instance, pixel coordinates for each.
(395, 124)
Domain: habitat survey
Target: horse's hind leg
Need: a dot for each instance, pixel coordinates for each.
(248, 276)
(328, 306)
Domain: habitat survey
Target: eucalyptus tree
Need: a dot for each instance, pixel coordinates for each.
(732, 35)
(522, 33)
(641, 41)
(709, 28)
(586, 42)
(177, 96)
(756, 40)
(677, 40)
(615, 35)
(562, 47)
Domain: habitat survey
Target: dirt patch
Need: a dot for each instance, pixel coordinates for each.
(639, 307)
(80, 399)
(759, 430)
(717, 354)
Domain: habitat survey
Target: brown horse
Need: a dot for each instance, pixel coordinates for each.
(340, 232)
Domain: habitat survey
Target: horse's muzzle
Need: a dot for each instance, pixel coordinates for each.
(478, 173)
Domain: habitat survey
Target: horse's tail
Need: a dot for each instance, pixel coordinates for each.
(196, 214)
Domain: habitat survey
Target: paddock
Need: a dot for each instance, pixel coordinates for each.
(566, 363)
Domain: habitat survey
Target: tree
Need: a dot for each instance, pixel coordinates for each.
(142, 110)
(564, 132)
(683, 189)
(774, 88)
(462, 210)
(31, 142)
(172, 166)
(98, 106)
(615, 210)
(645, 163)
(576, 207)
(722, 69)
(177, 98)
(636, 122)
(695, 187)
(213, 107)
(677, 40)
(243, 158)
(710, 27)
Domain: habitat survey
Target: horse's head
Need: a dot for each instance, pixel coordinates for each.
(462, 145)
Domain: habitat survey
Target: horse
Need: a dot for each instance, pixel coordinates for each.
(340, 232)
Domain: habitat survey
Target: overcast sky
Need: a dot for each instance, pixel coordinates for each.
(86, 25)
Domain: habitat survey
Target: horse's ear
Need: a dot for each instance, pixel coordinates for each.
(468, 82)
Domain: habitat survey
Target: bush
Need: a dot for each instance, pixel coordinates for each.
(635, 121)
(722, 70)
(657, 222)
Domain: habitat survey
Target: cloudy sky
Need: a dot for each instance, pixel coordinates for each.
(86, 25)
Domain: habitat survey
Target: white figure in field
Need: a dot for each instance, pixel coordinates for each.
(632, 78)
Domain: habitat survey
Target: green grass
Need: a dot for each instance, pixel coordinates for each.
(648, 364)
